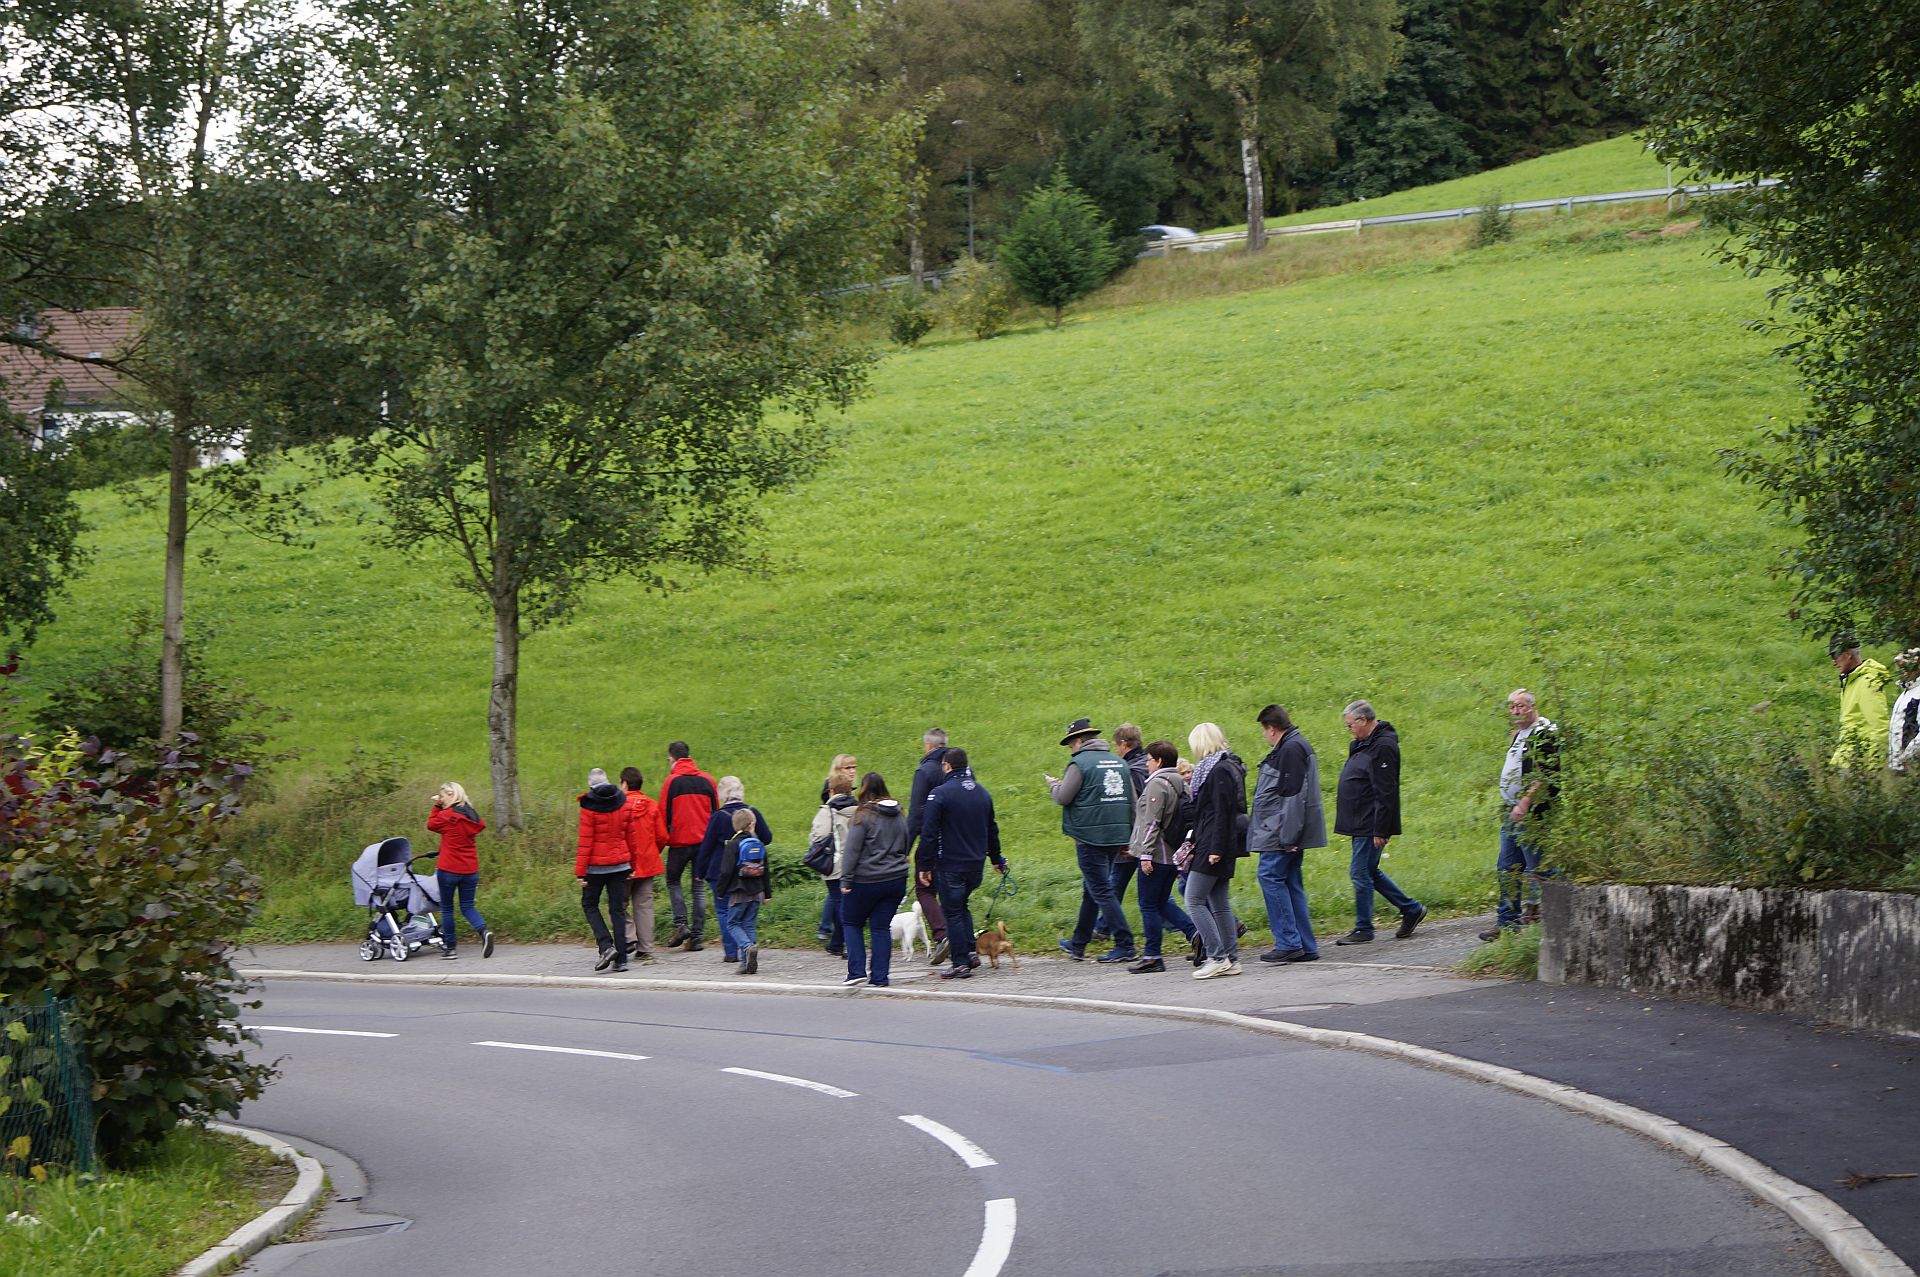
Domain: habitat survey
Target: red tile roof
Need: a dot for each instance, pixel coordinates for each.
(34, 380)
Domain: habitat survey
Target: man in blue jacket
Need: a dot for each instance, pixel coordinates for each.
(957, 837)
(927, 777)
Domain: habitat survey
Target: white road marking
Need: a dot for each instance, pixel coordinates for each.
(996, 1239)
(821, 1087)
(970, 1153)
(332, 1033)
(562, 1050)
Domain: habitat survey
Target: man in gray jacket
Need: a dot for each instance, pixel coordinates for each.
(1287, 817)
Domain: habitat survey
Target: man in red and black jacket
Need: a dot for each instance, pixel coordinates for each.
(687, 800)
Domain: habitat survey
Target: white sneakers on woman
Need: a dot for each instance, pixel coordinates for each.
(1213, 967)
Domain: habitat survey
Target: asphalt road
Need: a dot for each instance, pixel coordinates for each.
(1043, 1142)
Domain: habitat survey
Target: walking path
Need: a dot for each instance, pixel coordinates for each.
(1817, 1103)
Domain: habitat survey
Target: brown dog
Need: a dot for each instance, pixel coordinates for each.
(993, 942)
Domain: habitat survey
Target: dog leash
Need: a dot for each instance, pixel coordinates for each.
(1007, 887)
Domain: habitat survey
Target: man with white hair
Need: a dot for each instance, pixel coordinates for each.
(1529, 779)
(1367, 810)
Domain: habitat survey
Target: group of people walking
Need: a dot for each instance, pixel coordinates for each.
(1135, 813)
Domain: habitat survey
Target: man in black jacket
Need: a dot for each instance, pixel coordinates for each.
(926, 778)
(1367, 809)
(958, 835)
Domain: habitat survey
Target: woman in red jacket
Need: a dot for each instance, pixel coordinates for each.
(458, 869)
(604, 863)
(648, 834)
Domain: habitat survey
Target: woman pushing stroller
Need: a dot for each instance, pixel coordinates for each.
(458, 868)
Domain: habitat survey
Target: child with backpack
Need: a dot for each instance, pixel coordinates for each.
(744, 882)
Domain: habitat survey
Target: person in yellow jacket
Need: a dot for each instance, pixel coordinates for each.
(1863, 702)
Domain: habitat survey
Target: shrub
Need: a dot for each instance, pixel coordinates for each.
(118, 702)
(909, 318)
(976, 298)
(1515, 955)
(116, 892)
(1493, 224)
(1059, 249)
(1753, 809)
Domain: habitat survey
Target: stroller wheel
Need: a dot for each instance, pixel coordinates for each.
(399, 951)
(370, 949)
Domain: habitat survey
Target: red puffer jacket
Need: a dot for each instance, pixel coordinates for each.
(457, 827)
(647, 833)
(604, 829)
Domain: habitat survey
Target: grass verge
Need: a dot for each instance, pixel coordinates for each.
(1514, 956)
(150, 1220)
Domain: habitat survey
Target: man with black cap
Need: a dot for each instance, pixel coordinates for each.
(1863, 702)
(1096, 798)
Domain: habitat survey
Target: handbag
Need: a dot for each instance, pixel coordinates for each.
(820, 854)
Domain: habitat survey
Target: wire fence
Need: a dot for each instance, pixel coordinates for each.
(46, 1104)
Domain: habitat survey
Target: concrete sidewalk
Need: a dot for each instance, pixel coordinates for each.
(1814, 1102)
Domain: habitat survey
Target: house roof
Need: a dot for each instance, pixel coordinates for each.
(34, 380)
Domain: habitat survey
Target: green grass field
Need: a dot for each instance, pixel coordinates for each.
(1617, 164)
(195, 1191)
(1425, 482)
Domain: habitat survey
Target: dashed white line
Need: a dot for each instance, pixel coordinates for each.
(562, 1050)
(332, 1033)
(970, 1153)
(996, 1239)
(821, 1087)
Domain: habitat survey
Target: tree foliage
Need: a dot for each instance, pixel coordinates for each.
(115, 891)
(1059, 249)
(39, 530)
(1531, 87)
(1823, 97)
(1274, 68)
(1406, 131)
(586, 247)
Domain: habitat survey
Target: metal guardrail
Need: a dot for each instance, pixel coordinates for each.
(1209, 243)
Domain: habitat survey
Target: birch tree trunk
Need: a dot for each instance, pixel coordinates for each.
(1256, 187)
(503, 714)
(180, 459)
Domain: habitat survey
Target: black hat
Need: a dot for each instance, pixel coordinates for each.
(1844, 641)
(1077, 728)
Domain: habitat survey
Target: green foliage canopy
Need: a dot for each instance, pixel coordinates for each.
(1823, 97)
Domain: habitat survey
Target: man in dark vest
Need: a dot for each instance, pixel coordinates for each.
(1096, 798)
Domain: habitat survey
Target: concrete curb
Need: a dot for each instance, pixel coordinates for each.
(1846, 1238)
(251, 1238)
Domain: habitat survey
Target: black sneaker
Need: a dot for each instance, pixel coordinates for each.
(1148, 965)
(939, 954)
(1356, 937)
(486, 944)
(957, 973)
(607, 959)
(751, 962)
(1408, 921)
(448, 955)
(1305, 957)
(1073, 951)
(1118, 955)
(620, 967)
(1492, 935)
(694, 946)
(679, 937)
(1239, 928)
(1282, 955)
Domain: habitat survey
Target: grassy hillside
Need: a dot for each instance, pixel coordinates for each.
(1425, 484)
(1617, 164)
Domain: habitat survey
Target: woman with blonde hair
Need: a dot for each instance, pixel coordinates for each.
(457, 871)
(1219, 795)
(836, 808)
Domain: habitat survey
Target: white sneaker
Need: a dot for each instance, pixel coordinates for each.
(1209, 969)
(1232, 967)
(853, 982)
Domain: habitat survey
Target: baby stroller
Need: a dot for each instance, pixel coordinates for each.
(402, 907)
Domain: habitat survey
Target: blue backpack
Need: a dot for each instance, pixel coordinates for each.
(753, 857)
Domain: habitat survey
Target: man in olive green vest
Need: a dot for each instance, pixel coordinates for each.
(1096, 800)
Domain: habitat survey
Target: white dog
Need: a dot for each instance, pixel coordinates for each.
(908, 925)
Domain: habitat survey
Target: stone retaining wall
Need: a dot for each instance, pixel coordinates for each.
(1849, 957)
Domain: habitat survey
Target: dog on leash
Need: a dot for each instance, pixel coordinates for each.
(906, 926)
(993, 942)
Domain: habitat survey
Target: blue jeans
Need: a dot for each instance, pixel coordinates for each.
(1098, 898)
(1286, 897)
(1123, 871)
(830, 914)
(869, 909)
(1367, 879)
(954, 886)
(1159, 910)
(1519, 872)
(742, 927)
(466, 885)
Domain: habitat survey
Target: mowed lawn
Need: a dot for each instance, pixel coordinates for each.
(1425, 485)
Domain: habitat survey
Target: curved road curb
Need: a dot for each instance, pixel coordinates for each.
(1846, 1238)
(250, 1238)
